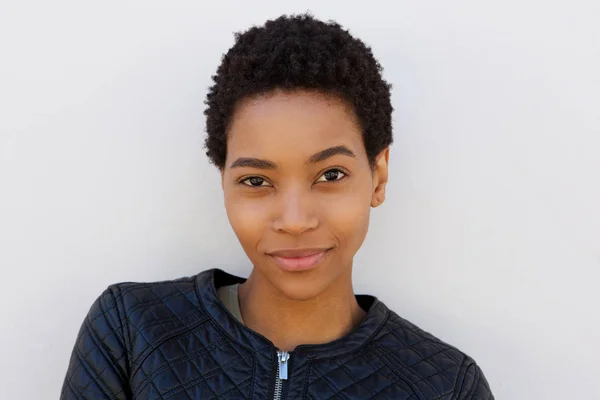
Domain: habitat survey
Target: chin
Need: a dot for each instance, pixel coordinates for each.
(299, 292)
(303, 286)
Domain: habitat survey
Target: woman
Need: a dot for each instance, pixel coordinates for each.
(299, 125)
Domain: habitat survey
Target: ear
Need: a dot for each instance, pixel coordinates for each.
(380, 177)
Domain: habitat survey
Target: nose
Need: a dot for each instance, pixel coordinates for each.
(294, 213)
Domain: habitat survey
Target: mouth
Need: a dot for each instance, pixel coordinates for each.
(299, 259)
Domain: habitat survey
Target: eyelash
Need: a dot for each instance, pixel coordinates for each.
(336, 169)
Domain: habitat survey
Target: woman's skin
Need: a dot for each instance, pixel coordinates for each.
(298, 190)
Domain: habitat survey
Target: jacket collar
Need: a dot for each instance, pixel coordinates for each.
(208, 281)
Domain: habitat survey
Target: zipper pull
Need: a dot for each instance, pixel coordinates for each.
(283, 357)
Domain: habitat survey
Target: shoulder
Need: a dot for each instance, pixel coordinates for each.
(148, 312)
(126, 323)
(405, 340)
(139, 295)
(432, 367)
(143, 302)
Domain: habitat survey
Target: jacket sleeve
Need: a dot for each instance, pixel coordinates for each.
(98, 366)
(475, 386)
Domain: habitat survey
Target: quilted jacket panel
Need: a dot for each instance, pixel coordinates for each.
(176, 340)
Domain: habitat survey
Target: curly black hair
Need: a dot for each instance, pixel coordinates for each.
(293, 53)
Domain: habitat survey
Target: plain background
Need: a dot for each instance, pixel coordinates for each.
(490, 234)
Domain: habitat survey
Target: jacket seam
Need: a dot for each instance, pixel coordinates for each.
(409, 385)
(473, 385)
(118, 332)
(138, 363)
(175, 362)
(101, 345)
(460, 379)
(126, 334)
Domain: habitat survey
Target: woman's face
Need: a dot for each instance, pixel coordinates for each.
(298, 188)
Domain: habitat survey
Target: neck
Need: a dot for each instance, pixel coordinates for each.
(289, 323)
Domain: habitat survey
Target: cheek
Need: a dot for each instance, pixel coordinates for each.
(348, 217)
(247, 219)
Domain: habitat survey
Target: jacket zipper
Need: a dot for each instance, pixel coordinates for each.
(282, 372)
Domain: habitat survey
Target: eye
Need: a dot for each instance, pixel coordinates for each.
(332, 175)
(255, 181)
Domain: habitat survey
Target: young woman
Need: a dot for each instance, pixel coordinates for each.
(299, 126)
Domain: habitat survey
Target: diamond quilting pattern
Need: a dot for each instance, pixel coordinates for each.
(362, 376)
(174, 340)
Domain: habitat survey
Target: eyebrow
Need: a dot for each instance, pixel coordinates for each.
(330, 152)
(315, 158)
(253, 163)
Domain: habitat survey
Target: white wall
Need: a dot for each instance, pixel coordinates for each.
(490, 237)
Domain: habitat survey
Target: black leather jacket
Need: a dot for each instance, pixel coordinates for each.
(176, 340)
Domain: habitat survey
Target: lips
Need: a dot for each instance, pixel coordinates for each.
(299, 259)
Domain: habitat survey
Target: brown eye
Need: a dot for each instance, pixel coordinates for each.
(332, 175)
(255, 181)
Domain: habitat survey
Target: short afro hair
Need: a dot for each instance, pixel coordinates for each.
(299, 53)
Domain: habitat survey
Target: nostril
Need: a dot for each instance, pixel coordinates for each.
(295, 224)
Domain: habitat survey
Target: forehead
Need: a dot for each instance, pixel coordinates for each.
(285, 124)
